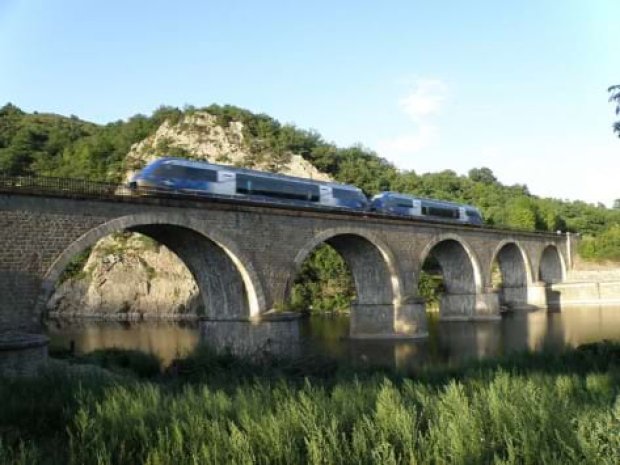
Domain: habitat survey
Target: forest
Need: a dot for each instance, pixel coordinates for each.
(41, 144)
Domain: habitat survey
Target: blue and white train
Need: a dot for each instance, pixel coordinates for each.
(202, 178)
(401, 204)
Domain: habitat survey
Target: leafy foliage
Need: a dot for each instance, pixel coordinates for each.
(614, 96)
(218, 409)
(52, 145)
(324, 283)
(605, 246)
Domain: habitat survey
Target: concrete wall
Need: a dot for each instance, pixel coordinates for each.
(573, 294)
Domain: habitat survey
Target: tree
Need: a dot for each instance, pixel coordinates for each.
(615, 97)
(616, 204)
(483, 175)
(521, 212)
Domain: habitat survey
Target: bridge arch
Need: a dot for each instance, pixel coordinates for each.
(233, 292)
(458, 260)
(461, 271)
(370, 260)
(551, 268)
(516, 272)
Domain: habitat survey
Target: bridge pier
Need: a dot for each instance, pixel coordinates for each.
(515, 297)
(469, 306)
(388, 321)
(21, 354)
(538, 295)
(276, 334)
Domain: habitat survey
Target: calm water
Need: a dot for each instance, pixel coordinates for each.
(447, 342)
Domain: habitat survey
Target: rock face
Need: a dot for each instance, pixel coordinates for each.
(198, 136)
(129, 275)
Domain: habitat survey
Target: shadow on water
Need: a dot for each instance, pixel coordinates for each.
(449, 342)
(553, 298)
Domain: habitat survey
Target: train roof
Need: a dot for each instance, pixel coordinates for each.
(199, 163)
(409, 196)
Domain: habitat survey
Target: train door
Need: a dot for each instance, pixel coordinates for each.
(226, 183)
(326, 196)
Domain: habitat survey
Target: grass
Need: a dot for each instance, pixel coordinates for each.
(217, 409)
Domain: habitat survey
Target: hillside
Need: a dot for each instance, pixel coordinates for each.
(54, 145)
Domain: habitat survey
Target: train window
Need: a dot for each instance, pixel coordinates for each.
(169, 171)
(185, 172)
(345, 194)
(200, 174)
(404, 203)
(474, 216)
(443, 212)
(256, 185)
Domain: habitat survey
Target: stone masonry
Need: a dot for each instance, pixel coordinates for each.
(245, 257)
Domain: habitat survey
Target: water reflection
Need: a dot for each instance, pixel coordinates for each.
(451, 342)
(166, 340)
(248, 338)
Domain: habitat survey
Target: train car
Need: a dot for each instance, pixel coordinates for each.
(202, 178)
(395, 203)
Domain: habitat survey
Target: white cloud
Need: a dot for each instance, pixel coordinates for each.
(426, 99)
(421, 104)
(399, 149)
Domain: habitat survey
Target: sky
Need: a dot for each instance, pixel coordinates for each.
(519, 87)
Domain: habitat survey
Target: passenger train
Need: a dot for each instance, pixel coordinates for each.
(202, 178)
(197, 177)
(402, 204)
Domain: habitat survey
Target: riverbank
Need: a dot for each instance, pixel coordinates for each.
(116, 407)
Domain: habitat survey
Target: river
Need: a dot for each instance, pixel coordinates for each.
(448, 342)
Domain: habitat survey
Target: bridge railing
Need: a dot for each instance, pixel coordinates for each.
(50, 185)
(83, 188)
(70, 187)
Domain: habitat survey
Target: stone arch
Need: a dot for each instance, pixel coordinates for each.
(371, 262)
(463, 255)
(516, 272)
(551, 268)
(462, 277)
(234, 292)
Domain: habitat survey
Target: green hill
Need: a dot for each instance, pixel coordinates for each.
(54, 145)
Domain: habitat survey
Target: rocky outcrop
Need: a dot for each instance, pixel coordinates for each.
(129, 276)
(198, 136)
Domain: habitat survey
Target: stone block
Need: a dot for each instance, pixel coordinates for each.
(22, 354)
(372, 320)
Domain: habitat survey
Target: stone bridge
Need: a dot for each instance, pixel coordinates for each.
(245, 257)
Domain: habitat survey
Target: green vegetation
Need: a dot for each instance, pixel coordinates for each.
(431, 287)
(119, 361)
(52, 145)
(324, 283)
(614, 96)
(524, 409)
(606, 246)
(75, 269)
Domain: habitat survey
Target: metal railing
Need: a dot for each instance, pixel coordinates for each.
(84, 188)
(78, 188)
(51, 185)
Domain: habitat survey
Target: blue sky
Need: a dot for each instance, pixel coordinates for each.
(519, 87)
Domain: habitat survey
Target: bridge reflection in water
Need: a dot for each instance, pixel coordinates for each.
(449, 341)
